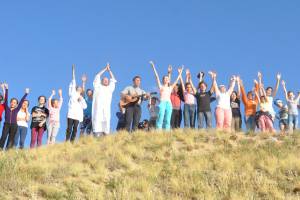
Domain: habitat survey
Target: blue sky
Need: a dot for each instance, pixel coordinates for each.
(40, 40)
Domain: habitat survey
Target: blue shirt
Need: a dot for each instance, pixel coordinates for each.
(88, 111)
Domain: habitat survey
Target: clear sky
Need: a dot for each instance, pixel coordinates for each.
(40, 40)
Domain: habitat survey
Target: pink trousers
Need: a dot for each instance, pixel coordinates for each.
(223, 118)
(265, 124)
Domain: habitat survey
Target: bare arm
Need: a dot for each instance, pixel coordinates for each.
(110, 72)
(156, 74)
(170, 72)
(182, 84)
(215, 84)
(232, 84)
(278, 77)
(284, 89)
(83, 79)
(257, 96)
(50, 99)
(3, 90)
(193, 87)
(239, 87)
(178, 78)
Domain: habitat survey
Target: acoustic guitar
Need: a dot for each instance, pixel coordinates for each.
(129, 100)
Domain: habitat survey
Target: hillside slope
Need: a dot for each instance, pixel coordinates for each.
(184, 164)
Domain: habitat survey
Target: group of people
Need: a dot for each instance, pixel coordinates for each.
(182, 99)
(91, 108)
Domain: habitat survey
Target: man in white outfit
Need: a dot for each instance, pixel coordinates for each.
(103, 90)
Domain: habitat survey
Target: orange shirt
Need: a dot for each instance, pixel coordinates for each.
(250, 105)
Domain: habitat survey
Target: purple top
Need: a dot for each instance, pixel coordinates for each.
(11, 115)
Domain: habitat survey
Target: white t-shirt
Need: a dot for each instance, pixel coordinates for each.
(269, 106)
(23, 123)
(223, 100)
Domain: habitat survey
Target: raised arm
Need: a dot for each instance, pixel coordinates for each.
(182, 83)
(110, 72)
(50, 99)
(189, 80)
(179, 75)
(239, 87)
(242, 89)
(23, 99)
(257, 96)
(97, 80)
(278, 77)
(156, 74)
(60, 98)
(284, 89)
(170, 69)
(232, 84)
(211, 90)
(3, 90)
(72, 86)
(83, 80)
(215, 84)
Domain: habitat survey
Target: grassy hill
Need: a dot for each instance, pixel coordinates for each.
(184, 164)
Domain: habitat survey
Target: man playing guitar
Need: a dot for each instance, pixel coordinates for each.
(132, 97)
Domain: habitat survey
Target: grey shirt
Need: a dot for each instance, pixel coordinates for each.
(132, 91)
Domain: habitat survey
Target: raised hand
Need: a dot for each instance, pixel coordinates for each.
(53, 93)
(84, 78)
(259, 75)
(283, 83)
(170, 69)
(73, 71)
(152, 63)
(108, 67)
(60, 92)
(27, 90)
(278, 76)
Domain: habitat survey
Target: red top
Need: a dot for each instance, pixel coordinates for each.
(2, 108)
(176, 102)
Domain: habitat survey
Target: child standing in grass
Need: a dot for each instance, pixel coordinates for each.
(264, 119)
(39, 115)
(23, 118)
(153, 112)
(76, 106)
(235, 103)
(223, 109)
(292, 103)
(54, 106)
(2, 105)
(282, 116)
(10, 124)
(250, 102)
(189, 107)
(165, 105)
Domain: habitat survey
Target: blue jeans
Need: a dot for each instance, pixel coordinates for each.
(250, 123)
(189, 114)
(20, 136)
(207, 116)
(293, 122)
(164, 115)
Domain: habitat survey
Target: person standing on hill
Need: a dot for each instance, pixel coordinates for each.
(2, 105)
(235, 103)
(101, 108)
(270, 94)
(10, 124)
(165, 105)
(39, 116)
(292, 103)
(223, 108)
(189, 108)
(54, 106)
(23, 118)
(86, 124)
(250, 103)
(204, 99)
(135, 95)
(76, 106)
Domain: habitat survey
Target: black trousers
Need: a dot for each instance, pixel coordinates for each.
(176, 118)
(9, 130)
(132, 117)
(71, 129)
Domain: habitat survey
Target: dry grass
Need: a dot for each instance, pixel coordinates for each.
(184, 164)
